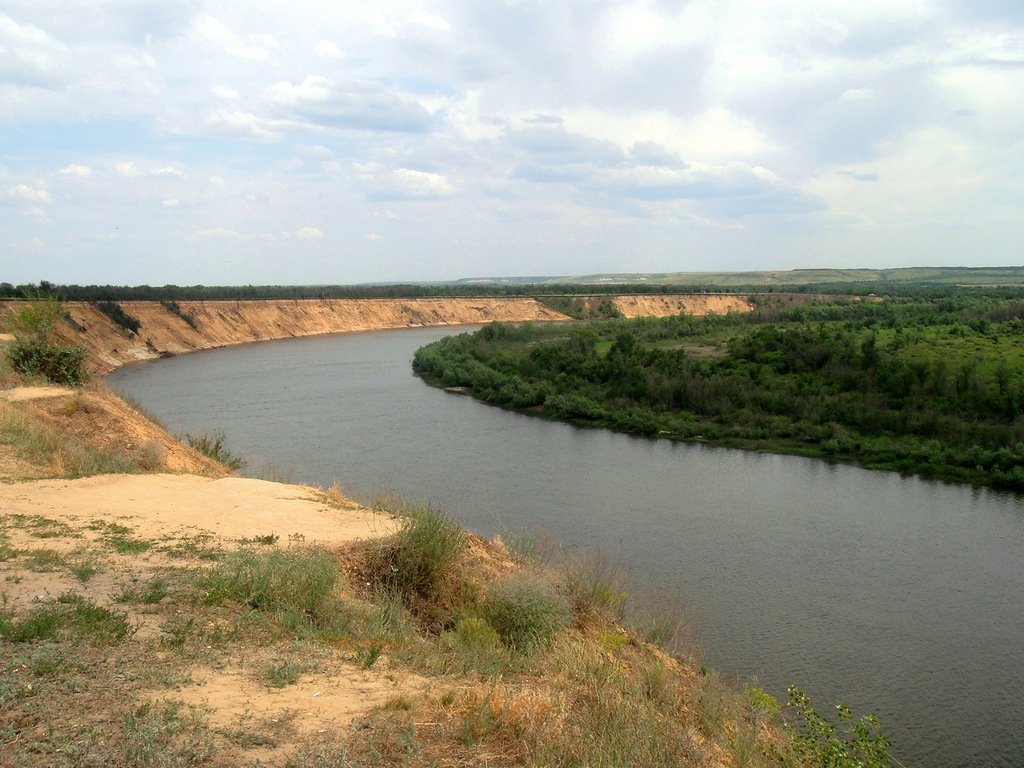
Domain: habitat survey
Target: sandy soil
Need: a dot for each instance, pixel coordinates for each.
(70, 518)
(229, 508)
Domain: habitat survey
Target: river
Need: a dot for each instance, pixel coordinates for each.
(889, 593)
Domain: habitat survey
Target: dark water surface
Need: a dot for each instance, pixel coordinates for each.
(889, 593)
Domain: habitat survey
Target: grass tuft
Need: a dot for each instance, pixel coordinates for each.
(423, 553)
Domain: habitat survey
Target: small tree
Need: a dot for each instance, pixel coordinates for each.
(34, 353)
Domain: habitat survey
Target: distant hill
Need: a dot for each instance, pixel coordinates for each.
(794, 277)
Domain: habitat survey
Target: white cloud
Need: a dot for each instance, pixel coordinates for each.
(311, 233)
(222, 92)
(251, 48)
(171, 202)
(131, 170)
(217, 233)
(325, 49)
(243, 125)
(333, 103)
(75, 169)
(430, 21)
(23, 193)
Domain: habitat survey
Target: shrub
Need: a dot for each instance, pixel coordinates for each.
(57, 363)
(850, 744)
(33, 353)
(423, 553)
(525, 611)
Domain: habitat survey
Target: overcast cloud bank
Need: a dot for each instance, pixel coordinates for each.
(188, 141)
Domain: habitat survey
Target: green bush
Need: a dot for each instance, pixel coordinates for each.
(525, 611)
(58, 364)
(33, 352)
(422, 554)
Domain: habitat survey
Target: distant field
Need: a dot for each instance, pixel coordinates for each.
(904, 275)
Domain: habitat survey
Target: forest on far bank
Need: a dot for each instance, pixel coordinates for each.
(925, 384)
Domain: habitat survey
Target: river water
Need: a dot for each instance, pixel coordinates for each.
(892, 594)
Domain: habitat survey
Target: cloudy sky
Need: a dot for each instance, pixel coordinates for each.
(214, 141)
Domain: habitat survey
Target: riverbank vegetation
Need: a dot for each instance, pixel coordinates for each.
(926, 385)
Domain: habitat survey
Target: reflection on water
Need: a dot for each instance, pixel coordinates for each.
(887, 592)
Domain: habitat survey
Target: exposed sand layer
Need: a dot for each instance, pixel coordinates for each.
(685, 304)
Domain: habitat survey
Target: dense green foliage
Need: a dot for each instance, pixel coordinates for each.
(931, 386)
(34, 351)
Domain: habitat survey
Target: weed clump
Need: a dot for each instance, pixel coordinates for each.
(212, 446)
(423, 553)
(418, 567)
(525, 611)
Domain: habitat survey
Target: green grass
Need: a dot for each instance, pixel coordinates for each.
(85, 569)
(151, 593)
(119, 538)
(42, 560)
(279, 581)
(73, 616)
